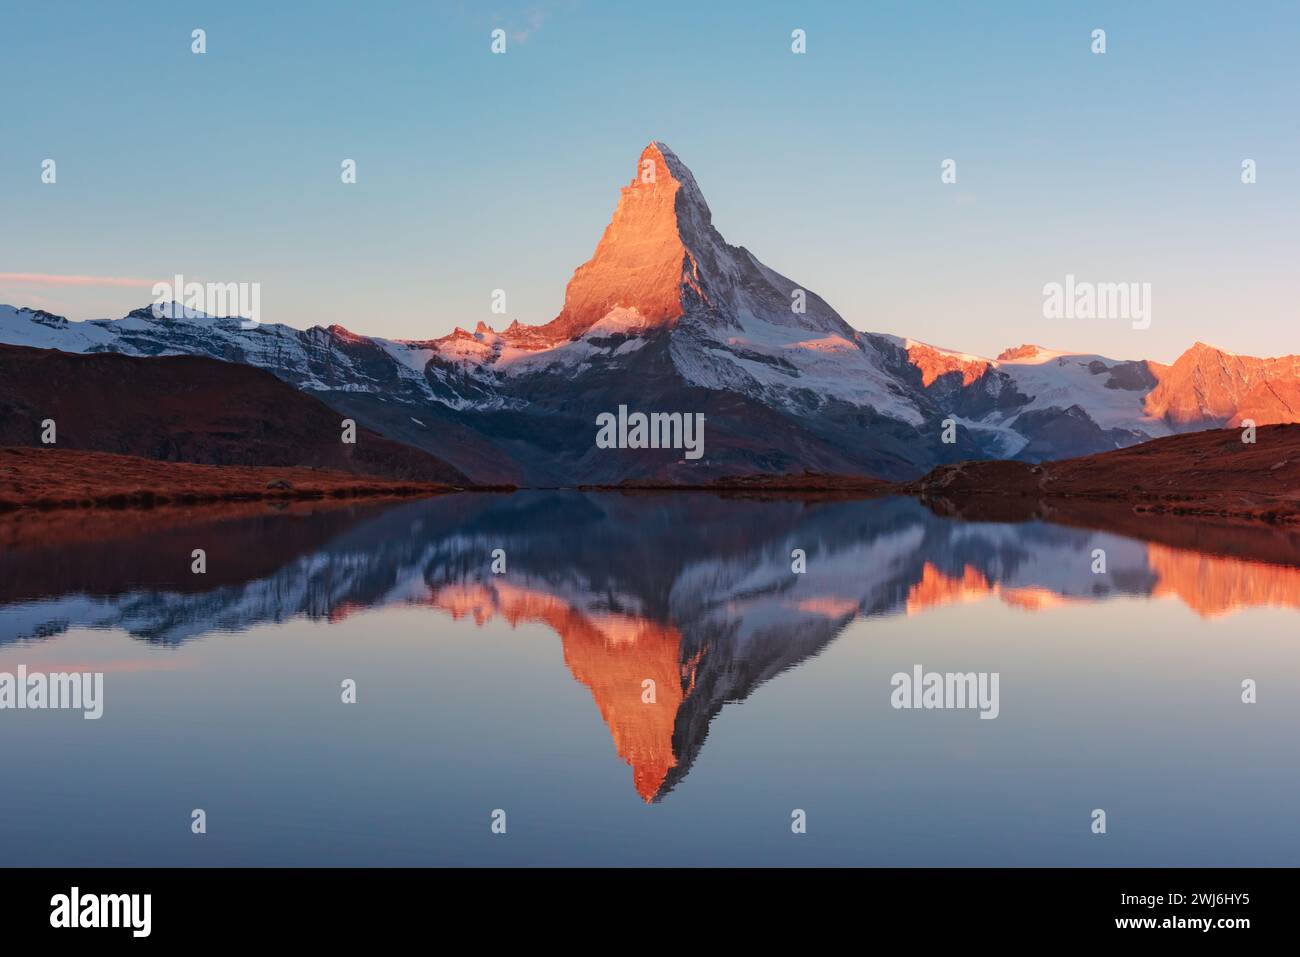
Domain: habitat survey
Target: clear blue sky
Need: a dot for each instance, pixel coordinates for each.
(479, 171)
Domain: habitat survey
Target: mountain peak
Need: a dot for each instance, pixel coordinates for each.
(664, 161)
(1025, 351)
(644, 259)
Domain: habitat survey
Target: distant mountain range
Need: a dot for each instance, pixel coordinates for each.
(668, 317)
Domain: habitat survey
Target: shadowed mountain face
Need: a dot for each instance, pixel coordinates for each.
(667, 607)
(189, 409)
(669, 317)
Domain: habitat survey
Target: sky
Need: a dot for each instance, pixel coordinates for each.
(478, 172)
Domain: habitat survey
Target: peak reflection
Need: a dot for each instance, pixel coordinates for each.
(691, 596)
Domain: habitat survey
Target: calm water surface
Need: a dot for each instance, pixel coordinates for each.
(523, 691)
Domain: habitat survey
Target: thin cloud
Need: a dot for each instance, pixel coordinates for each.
(535, 21)
(524, 22)
(50, 280)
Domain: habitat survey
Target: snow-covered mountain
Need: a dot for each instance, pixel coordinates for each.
(731, 324)
(1035, 403)
(668, 317)
(316, 359)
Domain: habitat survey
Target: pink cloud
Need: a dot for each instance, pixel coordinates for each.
(34, 663)
(50, 280)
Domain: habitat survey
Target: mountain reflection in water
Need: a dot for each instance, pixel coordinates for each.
(692, 591)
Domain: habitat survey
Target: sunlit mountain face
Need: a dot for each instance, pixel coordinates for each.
(667, 609)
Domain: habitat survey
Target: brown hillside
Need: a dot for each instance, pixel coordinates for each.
(1201, 473)
(66, 478)
(189, 409)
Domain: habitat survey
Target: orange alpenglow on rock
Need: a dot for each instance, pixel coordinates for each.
(612, 655)
(1213, 585)
(642, 260)
(936, 588)
(1210, 386)
(934, 363)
